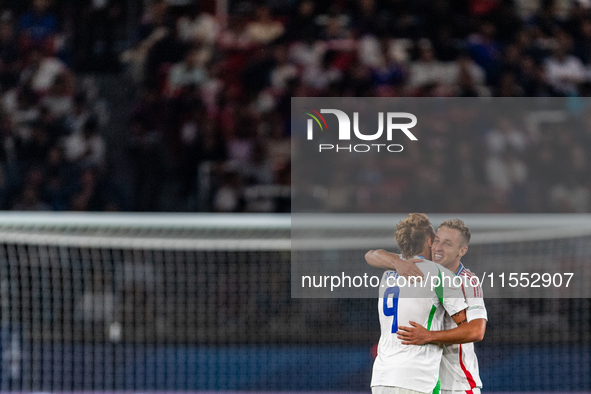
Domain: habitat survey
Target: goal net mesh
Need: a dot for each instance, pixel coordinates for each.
(172, 303)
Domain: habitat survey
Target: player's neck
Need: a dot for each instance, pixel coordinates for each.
(453, 267)
(426, 252)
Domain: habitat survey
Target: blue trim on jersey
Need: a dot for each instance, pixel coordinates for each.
(422, 257)
(461, 269)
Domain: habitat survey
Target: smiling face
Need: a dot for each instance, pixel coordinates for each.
(448, 247)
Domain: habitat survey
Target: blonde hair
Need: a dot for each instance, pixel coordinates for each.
(412, 233)
(459, 225)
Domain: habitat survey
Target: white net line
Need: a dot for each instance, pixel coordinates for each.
(194, 232)
(145, 242)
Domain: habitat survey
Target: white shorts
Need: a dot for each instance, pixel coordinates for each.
(473, 391)
(393, 390)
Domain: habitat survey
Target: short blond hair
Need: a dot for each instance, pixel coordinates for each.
(459, 225)
(412, 233)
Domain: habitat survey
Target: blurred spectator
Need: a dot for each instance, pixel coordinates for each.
(20, 105)
(258, 170)
(89, 196)
(570, 196)
(366, 16)
(42, 70)
(508, 87)
(470, 79)
(506, 171)
(80, 113)
(59, 100)
(321, 76)
(235, 37)
(96, 24)
(34, 146)
(86, 148)
(228, 197)
(506, 137)
(155, 26)
(582, 46)
(385, 62)
(303, 24)
(336, 27)
(546, 18)
(204, 28)
(9, 72)
(307, 52)
(564, 71)
(263, 29)
(486, 51)
(59, 178)
(284, 71)
(39, 24)
(428, 70)
(30, 201)
(97, 303)
(191, 71)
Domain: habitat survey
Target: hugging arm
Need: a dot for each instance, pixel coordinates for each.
(465, 332)
(391, 261)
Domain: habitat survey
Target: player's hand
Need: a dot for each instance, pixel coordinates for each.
(415, 335)
(407, 268)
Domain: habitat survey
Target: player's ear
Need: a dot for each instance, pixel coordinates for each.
(430, 242)
(464, 250)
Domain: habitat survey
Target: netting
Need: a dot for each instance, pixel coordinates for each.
(183, 303)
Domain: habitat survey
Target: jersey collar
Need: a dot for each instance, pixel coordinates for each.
(461, 269)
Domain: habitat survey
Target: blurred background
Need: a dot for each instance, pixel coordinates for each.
(120, 105)
(184, 106)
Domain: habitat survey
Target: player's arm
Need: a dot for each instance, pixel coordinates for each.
(451, 297)
(465, 332)
(391, 261)
(471, 324)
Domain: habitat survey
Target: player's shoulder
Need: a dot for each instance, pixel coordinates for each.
(465, 270)
(389, 273)
(433, 268)
(426, 265)
(466, 273)
(471, 281)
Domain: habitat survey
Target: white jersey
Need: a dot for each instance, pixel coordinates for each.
(459, 365)
(406, 366)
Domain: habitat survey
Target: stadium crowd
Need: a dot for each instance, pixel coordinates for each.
(222, 95)
(212, 111)
(52, 152)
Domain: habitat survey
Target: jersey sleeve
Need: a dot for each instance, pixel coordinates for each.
(474, 298)
(453, 298)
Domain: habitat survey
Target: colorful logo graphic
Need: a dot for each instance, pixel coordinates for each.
(387, 122)
(316, 119)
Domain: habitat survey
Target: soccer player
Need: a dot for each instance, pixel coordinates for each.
(459, 365)
(398, 368)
